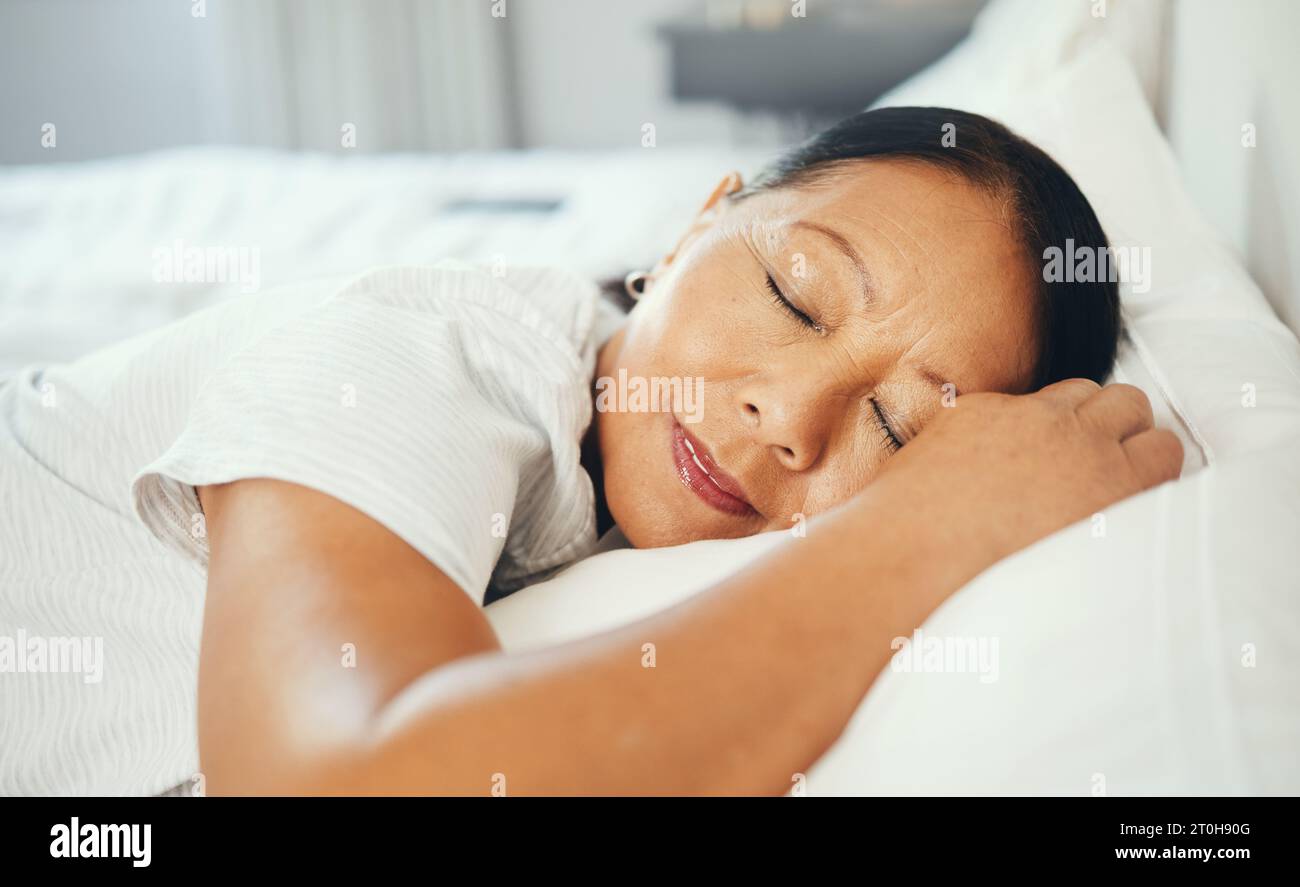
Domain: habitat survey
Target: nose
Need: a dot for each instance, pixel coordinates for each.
(793, 424)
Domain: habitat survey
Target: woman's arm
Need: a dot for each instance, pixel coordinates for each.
(752, 680)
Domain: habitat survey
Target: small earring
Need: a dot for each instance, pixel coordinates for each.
(635, 284)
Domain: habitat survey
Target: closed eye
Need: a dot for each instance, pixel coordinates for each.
(788, 306)
(889, 438)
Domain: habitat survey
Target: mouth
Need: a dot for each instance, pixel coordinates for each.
(699, 473)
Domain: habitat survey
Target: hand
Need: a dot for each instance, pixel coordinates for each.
(995, 473)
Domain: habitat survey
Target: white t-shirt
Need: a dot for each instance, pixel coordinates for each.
(447, 402)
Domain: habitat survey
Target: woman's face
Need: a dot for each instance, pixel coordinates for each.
(906, 287)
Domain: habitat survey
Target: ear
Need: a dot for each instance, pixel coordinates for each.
(708, 214)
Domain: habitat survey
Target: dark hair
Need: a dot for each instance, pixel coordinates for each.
(1079, 321)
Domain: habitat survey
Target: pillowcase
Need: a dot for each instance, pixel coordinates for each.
(1015, 44)
(1151, 649)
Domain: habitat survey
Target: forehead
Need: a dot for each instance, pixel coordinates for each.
(943, 258)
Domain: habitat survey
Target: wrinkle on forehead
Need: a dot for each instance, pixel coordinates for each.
(920, 228)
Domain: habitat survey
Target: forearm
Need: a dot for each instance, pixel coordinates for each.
(751, 680)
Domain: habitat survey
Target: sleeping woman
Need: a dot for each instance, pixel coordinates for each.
(279, 519)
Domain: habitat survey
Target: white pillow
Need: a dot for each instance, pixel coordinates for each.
(1160, 657)
(1016, 44)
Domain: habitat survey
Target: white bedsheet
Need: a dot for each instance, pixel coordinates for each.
(78, 241)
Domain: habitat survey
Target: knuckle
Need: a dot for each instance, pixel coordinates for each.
(1083, 386)
(1137, 411)
(1170, 449)
(1045, 410)
(1135, 397)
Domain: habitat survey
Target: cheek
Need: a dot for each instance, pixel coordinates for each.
(700, 322)
(638, 479)
(837, 485)
(852, 459)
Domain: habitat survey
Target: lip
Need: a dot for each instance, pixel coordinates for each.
(698, 471)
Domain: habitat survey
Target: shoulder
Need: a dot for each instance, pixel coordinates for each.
(550, 302)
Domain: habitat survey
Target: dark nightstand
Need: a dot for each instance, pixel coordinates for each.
(837, 60)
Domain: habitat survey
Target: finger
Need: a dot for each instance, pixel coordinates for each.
(1156, 456)
(1069, 392)
(1118, 411)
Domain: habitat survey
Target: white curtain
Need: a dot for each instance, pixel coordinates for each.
(404, 74)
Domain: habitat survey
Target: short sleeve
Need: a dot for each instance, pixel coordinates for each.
(412, 397)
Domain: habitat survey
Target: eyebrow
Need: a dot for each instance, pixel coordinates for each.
(842, 244)
(938, 381)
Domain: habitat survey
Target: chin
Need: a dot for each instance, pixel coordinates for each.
(654, 523)
(646, 526)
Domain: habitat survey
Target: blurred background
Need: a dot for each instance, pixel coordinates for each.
(119, 76)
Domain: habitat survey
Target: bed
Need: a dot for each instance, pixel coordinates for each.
(1159, 656)
(83, 242)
